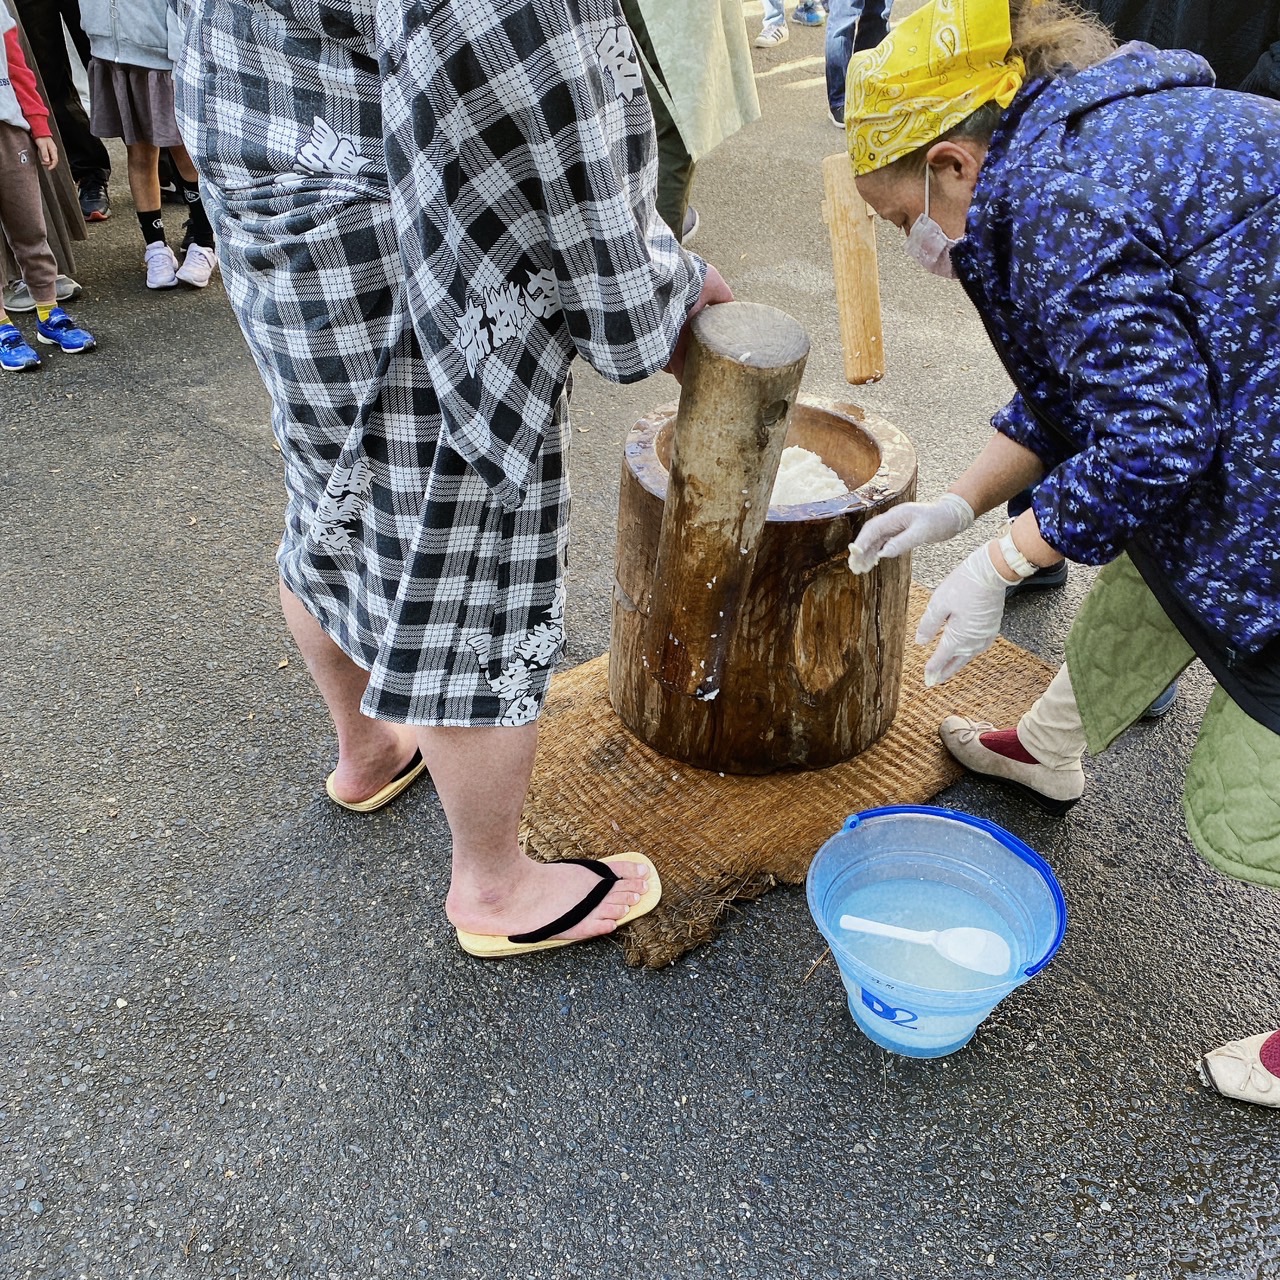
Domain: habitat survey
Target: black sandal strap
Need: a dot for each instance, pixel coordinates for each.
(414, 761)
(580, 910)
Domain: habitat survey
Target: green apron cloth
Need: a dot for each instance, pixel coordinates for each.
(707, 76)
(1122, 652)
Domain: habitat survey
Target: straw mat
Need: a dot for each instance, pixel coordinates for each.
(597, 790)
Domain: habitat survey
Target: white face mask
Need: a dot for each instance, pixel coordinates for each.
(928, 244)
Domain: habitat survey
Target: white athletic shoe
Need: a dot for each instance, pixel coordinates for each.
(162, 266)
(771, 37)
(198, 266)
(691, 224)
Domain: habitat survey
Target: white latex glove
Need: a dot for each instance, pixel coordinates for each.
(907, 526)
(967, 607)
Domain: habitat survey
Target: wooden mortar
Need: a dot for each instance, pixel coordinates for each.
(810, 656)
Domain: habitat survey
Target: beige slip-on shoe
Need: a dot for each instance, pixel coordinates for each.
(1246, 1069)
(1054, 790)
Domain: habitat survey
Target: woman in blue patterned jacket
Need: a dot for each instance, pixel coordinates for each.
(1113, 218)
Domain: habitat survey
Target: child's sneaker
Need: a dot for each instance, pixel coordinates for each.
(198, 266)
(162, 266)
(95, 203)
(15, 355)
(809, 15)
(59, 330)
(18, 299)
(773, 36)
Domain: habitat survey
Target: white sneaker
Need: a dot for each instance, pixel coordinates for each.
(771, 37)
(162, 266)
(691, 224)
(198, 266)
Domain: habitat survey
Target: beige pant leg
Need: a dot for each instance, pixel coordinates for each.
(1052, 730)
(21, 213)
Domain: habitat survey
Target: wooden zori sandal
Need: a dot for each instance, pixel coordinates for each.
(492, 946)
(388, 793)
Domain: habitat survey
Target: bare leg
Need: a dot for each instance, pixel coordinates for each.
(481, 776)
(370, 752)
(182, 162)
(144, 176)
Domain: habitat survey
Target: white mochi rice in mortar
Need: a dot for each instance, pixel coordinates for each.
(804, 477)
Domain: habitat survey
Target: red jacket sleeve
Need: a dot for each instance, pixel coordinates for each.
(24, 87)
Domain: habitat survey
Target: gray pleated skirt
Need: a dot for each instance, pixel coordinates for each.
(133, 103)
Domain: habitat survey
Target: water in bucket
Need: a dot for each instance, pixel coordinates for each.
(930, 869)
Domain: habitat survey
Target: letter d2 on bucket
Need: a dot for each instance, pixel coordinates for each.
(912, 885)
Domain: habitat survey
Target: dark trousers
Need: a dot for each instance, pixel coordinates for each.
(675, 164)
(42, 20)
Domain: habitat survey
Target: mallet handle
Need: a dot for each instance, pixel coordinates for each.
(853, 254)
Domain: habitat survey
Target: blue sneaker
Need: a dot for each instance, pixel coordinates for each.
(15, 355)
(809, 15)
(1163, 704)
(59, 330)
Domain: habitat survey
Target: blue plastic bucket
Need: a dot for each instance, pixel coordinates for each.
(914, 855)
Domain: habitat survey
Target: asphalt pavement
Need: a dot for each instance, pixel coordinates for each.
(238, 1039)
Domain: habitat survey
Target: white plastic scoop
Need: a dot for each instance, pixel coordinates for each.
(971, 948)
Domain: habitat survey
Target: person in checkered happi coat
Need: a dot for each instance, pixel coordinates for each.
(424, 213)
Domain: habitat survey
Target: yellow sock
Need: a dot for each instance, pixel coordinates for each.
(44, 310)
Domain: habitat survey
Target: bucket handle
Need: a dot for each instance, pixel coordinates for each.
(1019, 847)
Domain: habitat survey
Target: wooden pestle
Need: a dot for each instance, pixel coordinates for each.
(742, 376)
(853, 253)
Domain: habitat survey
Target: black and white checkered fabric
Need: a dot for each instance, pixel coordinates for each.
(424, 212)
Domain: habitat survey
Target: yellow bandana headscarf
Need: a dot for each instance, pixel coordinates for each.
(932, 70)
